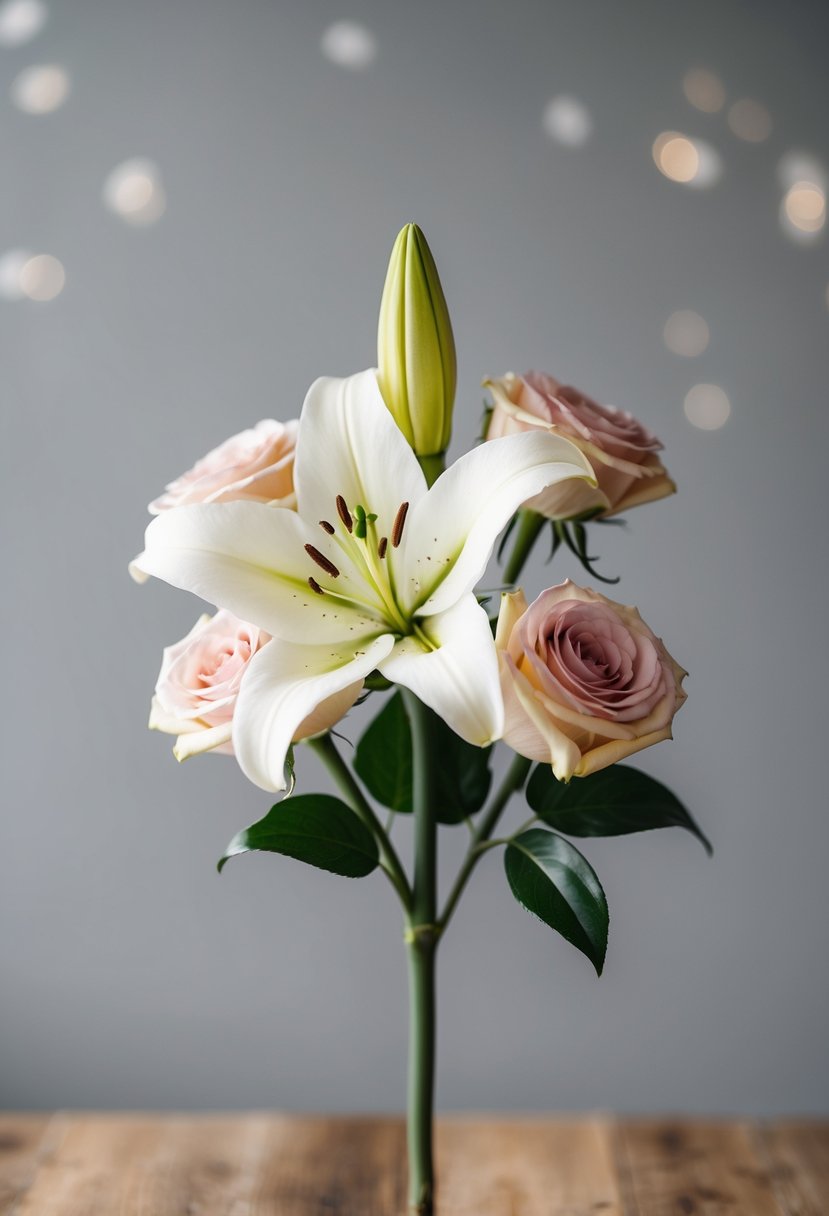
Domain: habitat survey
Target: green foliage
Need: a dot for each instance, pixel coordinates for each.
(550, 878)
(314, 828)
(383, 760)
(613, 802)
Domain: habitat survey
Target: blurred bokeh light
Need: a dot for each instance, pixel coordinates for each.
(11, 264)
(42, 277)
(134, 191)
(21, 20)
(704, 90)
(707, 407)
(692, 162)
(567, 121)
(40, 89)
(750, 120)
(686, 333)
(349, 45)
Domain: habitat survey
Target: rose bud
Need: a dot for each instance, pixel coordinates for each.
(416, 349)
(585, 681)
(621, 450)
(199, 681)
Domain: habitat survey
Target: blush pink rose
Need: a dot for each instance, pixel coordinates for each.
(585, 681)
(621, 450)
(256, 465)
(200, 679)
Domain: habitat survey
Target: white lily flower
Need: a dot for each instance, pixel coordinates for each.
(373, 571)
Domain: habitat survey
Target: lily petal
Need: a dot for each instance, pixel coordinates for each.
(349, 444)
(283, 685)
(251, 559)
(450, 532)
(459, 678)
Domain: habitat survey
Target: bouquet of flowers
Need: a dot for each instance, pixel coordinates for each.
(342, 556)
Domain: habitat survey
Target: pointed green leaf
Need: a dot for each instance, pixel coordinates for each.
(613, 802)
(314, 828)
(383, 760)
(550, 878)
(463, 776)
(383, 757)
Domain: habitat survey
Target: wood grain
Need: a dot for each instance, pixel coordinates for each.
(21, 1138)
(797, 1156)
(691, 1168)
(525, 1167)
(278, 1165)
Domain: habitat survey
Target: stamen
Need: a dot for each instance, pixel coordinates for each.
(344, 513)
(382, 545)
(322, 561)
(327, 527)
(314, 585)
(399, 522)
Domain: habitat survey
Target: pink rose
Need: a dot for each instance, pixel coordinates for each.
(585, 681)
(623, 453)
(256, 465)
(199, 682)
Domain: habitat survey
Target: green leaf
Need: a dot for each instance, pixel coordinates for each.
(577, 544)
(383, 757)
(463, 775)
(550, 878)
(314, 828)
(383, 760)
(613, 802)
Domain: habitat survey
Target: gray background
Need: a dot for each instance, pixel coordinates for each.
(131, 974)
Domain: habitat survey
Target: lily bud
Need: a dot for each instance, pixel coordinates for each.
(415, 346)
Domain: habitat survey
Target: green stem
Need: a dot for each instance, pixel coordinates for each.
(421, 942)
(326, 749)
(432, 466)
(529, 526)
(513, 781)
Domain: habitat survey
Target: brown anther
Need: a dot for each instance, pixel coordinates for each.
(314, 585)
(382, 545)
(327, 527)
(399, 521)
(344, 513)
(322, 561)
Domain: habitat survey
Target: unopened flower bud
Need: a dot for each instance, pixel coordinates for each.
(415, 346)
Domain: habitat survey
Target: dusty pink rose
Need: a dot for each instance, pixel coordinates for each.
(256, 465)
(621, 450)
(585, 681)
(199, 681)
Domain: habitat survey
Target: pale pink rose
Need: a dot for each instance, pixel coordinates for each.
(256, 465)
(199, 682)
(585, 681)
(621, 450)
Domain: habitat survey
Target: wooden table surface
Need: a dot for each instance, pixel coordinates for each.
(263, 1165)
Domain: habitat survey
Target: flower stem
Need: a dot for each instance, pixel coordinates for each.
(326, 749)
(513, 781)
(432, 466)
(421, 942)
(530, 524)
